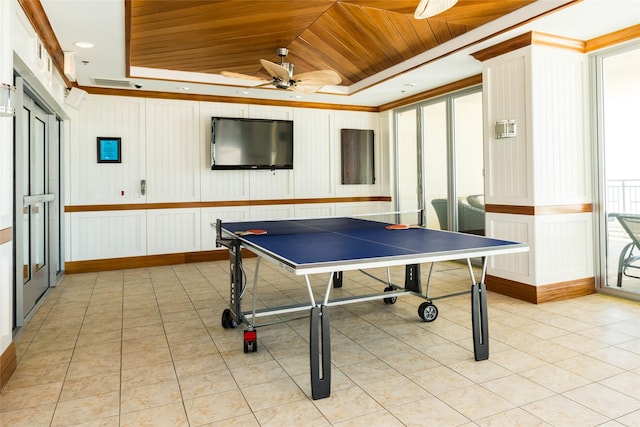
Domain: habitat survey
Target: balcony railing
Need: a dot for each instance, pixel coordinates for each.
(623, 195)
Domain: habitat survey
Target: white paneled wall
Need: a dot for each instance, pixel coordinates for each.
(173, 230)
(174, 150)
(6, 184)
(108, 234)
(518, 228)
(561, 149)
(315, 210)
(266, 184)
(167, 143)
(386, 179)
(563, 247)
(6, 303)
(93, 183)
(314, 168)
(345, 209)
(508, 172)
(560, 250)
(546, 165)
(271, 212)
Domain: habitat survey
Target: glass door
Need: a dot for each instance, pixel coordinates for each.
(32, 250)
(618, 83)
(451, 143)
(469, 162)
(436, 165)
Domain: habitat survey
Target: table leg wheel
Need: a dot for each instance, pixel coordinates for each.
(227, 320)
(250, 341)
(389, 300)
(427, 311)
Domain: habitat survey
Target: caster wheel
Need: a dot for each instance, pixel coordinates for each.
(427, 311)
(250, 341)
(389, 300)
(227, 320)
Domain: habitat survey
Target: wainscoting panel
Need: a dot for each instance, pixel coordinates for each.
(6, 307)
(105, 183)
(173, 230)
(560, 108)
(517, 228)
(563, 247)
(313, 168)
(272, 212)
(107, 234)
(174, 152)
(315, 210)
(507, 160)
(383, 180)
(266, 184)
(347, 209)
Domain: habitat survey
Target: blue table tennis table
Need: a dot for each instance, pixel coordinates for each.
(334, 245)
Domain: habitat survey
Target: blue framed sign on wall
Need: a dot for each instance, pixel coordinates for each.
(109, 149)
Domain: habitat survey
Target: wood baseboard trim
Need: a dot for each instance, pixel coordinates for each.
(124, 263)
(542, 293)
(8, 363)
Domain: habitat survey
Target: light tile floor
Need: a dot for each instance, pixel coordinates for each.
(146, 347)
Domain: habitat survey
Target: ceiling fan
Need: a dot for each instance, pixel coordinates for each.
(282, 76)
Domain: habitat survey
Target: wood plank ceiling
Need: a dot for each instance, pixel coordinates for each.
(356, 38)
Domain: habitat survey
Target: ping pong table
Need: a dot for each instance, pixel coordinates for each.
(334, 245)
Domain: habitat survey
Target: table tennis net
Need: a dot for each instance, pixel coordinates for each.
(317, 225)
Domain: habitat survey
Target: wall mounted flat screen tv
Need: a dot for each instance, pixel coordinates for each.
(238, 143)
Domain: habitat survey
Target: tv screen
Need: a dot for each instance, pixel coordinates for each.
(251, 143)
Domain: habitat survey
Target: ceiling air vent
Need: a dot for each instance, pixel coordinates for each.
(112, 82)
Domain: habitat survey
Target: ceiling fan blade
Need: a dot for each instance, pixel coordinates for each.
(275, 70)
(306, 89)
(234, 75)
(319, 78)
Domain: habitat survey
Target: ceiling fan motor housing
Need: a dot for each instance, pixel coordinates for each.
(281, 84)
(285, 84)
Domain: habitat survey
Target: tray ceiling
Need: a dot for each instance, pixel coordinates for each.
(356, 38)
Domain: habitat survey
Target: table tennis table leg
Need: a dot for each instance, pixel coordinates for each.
(320, 352)
(479, 317)
(236, 283)
(337, 279)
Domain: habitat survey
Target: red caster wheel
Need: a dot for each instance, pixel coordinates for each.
(250, 341)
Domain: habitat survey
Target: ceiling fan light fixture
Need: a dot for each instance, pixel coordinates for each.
(429, 8)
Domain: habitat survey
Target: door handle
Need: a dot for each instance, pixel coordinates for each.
(143, 187)
(39, 198)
